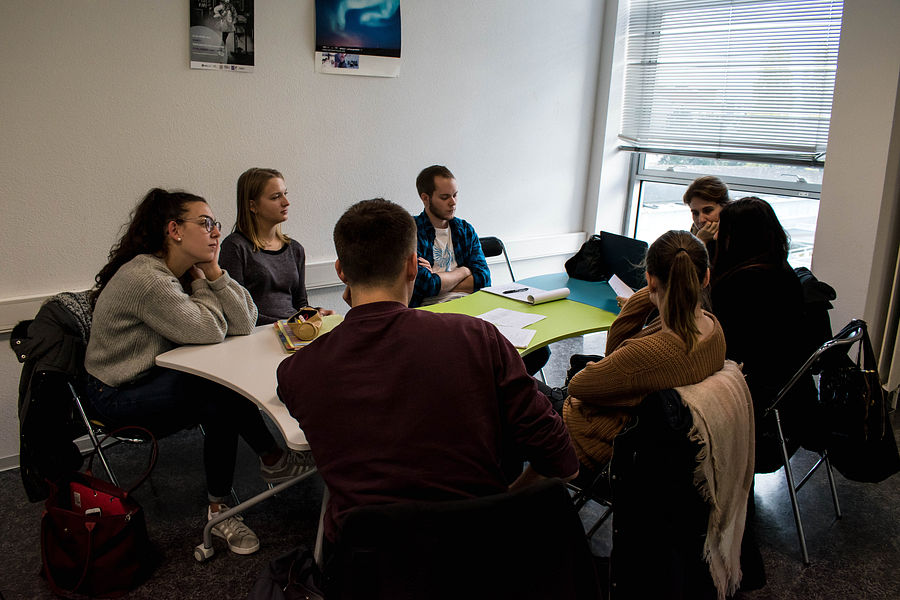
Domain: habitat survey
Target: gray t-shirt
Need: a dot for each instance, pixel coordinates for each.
(276, 279)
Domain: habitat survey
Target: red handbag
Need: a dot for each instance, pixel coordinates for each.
(93, 534)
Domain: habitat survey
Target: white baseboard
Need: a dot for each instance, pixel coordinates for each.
(12, 461)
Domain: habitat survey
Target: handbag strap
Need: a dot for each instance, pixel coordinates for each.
(48, 571)
(154, 453)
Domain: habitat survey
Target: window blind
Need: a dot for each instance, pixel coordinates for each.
(730, 77)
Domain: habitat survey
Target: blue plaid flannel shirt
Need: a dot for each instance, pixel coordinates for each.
(466, 249)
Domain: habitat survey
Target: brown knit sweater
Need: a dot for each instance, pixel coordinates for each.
(639, 360)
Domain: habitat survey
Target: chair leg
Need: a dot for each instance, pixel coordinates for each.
(834, 496)
(792, 490)
(607, 514)
(320, 533)
(90, 431)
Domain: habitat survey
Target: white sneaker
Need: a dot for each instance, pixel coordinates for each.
(240, 538)
(291, 464)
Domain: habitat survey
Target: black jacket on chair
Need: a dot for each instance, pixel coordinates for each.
(51, 348)
(659, 518)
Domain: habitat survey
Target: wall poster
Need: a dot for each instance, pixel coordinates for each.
(358, 37)
(222, 34)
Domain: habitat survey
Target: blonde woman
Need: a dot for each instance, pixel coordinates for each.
(258, 255)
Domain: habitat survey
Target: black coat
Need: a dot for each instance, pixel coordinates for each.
(763, 315)
(51, 348)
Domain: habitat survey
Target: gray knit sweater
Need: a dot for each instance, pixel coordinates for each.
(143, 311)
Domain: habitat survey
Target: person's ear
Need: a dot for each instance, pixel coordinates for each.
(340, 271)
(652, 283)
(412, 266)
(173, 230)
(705, 279)
(424, 197)
(253, 206)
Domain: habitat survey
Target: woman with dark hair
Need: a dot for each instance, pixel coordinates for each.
(757, 298)
(258, 255)
(141, 309)
(706, 196)
(682, 346)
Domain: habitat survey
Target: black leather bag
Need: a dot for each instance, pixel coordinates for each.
(588, 263)
(291, 576)
(853, 416)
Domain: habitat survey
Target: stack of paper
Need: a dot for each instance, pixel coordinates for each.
(512, 325)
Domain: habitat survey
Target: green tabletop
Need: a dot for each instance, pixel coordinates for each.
(564, 318)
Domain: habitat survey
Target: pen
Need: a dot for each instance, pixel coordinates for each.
(525, 289)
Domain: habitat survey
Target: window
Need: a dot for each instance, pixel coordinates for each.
(660, 180)
(740, 89)
(731, 77)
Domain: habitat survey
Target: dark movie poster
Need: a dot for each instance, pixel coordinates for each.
(222, 35)
(358, 37)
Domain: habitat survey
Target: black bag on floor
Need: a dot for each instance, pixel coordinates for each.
(853, 415)
(291, 576)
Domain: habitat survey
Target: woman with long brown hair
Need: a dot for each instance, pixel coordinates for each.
(161, 288)
(681, 346)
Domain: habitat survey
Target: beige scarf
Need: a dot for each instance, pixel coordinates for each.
(723, 425)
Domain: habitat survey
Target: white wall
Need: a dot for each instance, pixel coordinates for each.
(859, 214)
(97, 105)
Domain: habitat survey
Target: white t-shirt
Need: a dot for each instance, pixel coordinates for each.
(444, 261)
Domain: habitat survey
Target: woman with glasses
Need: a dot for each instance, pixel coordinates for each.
(161, 288)
(259, 255)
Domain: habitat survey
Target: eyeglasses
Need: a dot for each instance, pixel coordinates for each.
(205, 221)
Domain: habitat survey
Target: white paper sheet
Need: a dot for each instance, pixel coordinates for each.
(510, 318)
(620, 287)
(520, 338)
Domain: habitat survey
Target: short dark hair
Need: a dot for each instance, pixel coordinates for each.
(373, 239)
(708, 189)
(425, 180)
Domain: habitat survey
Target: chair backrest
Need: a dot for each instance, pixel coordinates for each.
(526, 544)
(659, 518)
(493, 246)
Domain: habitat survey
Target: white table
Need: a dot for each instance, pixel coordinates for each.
(247, 365)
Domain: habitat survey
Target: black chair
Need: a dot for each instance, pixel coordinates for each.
(659, 518)
(493, 246)
(528, 544)
(819, 361)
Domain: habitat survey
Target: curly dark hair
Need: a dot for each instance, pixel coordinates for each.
(145, 232)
